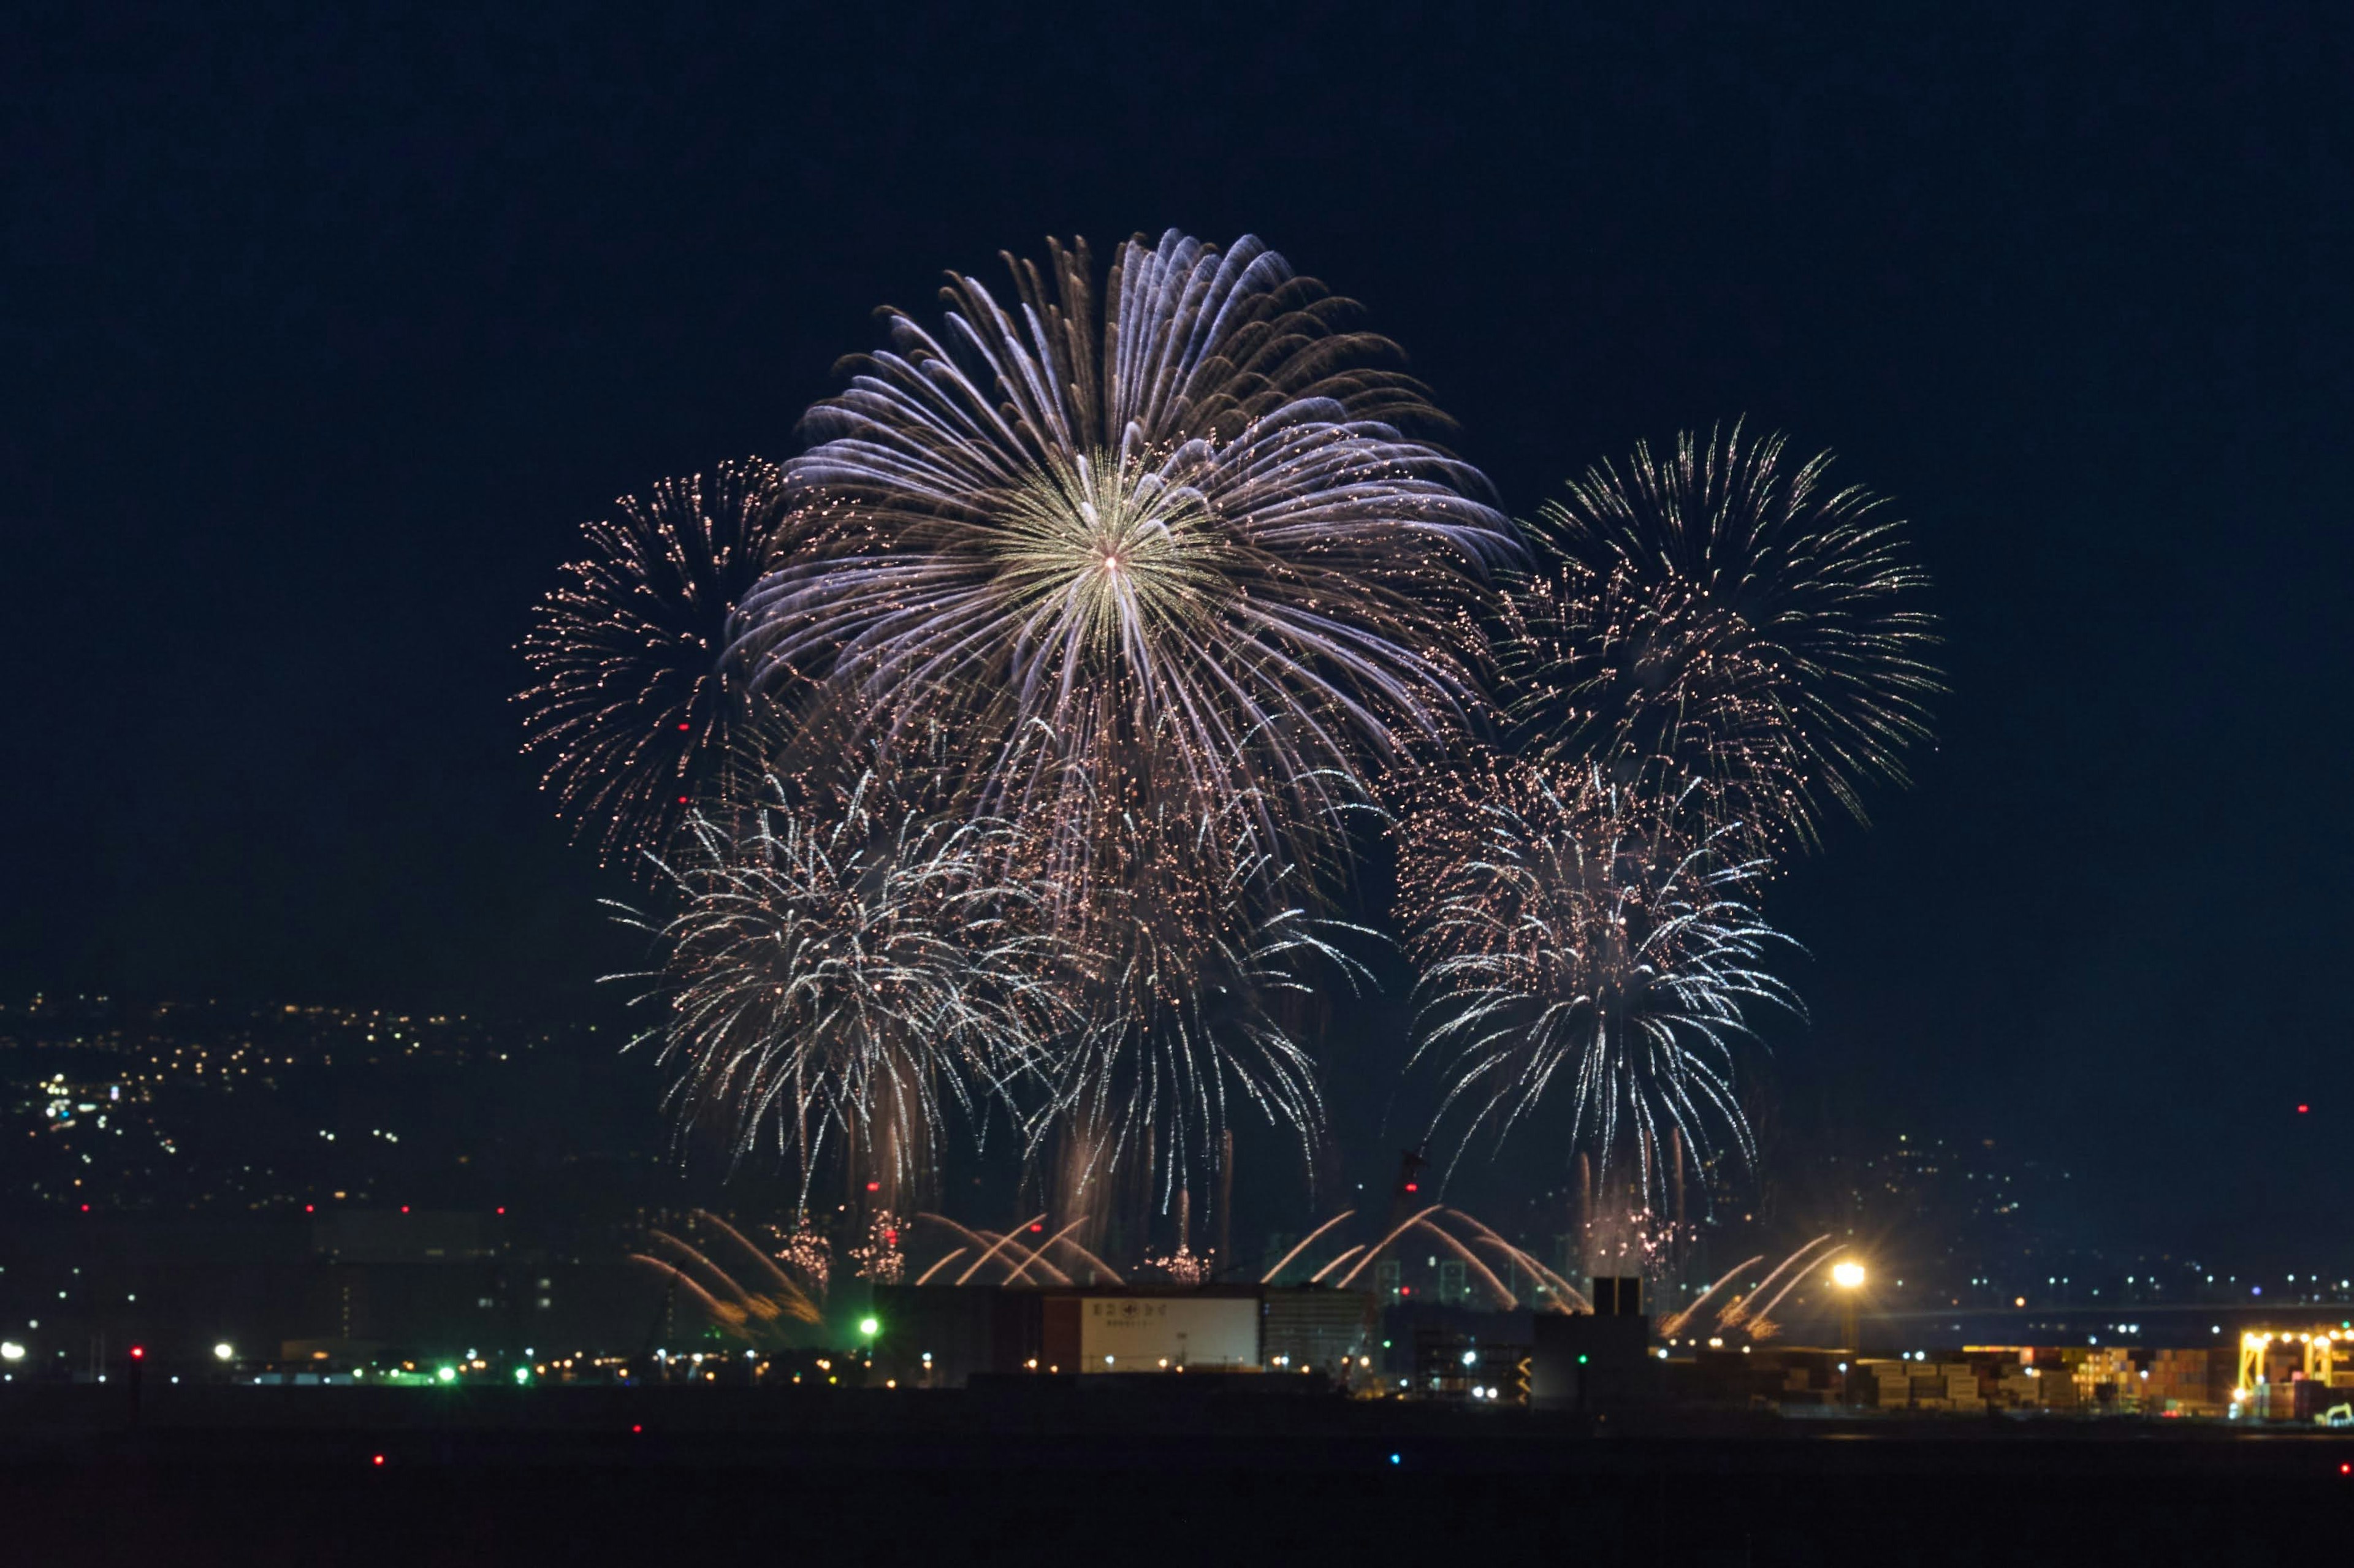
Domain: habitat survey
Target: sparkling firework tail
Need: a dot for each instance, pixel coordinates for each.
(1564, 1292)
(1382, 1245)
(1674, 1325)
(997, 1246)
(1738, 1312)
(1471, 1261)
(926, 1277)
(1761, 1326)
(1305, 1242)
(1318, 1277)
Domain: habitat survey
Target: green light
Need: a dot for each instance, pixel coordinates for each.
(869, 1327)
(522, 1375)
(447, 1375)
(1581, 1360)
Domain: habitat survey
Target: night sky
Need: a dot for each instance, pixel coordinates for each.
(322, 335)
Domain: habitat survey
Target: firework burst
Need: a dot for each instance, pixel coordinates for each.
(1193, 974)
(1726, 616)
(1175, 543)
(1567, 926)
(635, 712)
(838, 971)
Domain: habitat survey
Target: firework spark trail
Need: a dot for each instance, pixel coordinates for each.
(1340, 1258)
(1565, 1290)
(1719, 614)
(1179, 537)
(768, 1264)
(843, 969)
(1471, 1259)
(1382, 1245)
(635, 711)
(993, 1247)
(1762, 1324)
(1675, 1325)
(1304, 1243)
(1037, 1254)
(1737, 1312)
(749, 1306)
(989, 1239)
(1065, 1238)
(1574, 926)
(926, 1277)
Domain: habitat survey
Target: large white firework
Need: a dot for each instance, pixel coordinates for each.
(848, 970)
(1567, 926)
(1181, 542)
(1196, 975)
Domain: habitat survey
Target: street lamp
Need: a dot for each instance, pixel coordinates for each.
(1848, 1275)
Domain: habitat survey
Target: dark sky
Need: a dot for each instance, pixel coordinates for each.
(321, 334)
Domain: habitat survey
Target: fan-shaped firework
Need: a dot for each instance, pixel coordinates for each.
(1565, 925)
(1724, 617)
(636, 710)
(837, 971)
(1172, 542)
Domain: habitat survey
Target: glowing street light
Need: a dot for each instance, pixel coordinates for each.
(225, 1351)
(1848, 1275)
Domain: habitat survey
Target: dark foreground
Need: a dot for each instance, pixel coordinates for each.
(489, 1475)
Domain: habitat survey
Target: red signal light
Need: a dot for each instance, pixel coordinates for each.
(2302, 1109)
(874, 1186)
(85, 1208)
(138, 1352)
(503, 1208)
(684, 726)
(377, 1460)
(1035, 1228)
(403, 1208)
(1414, 1186)
(310, 1208)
